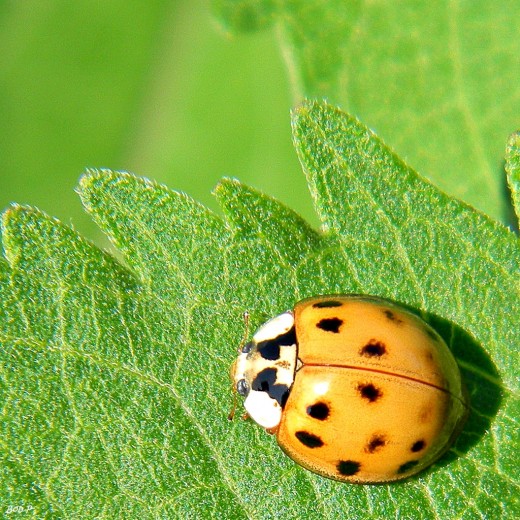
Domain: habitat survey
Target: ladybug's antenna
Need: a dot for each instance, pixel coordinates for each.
(246, 330)
(231, 414)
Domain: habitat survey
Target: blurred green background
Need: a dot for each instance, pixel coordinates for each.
(161, 89)
(153, 87)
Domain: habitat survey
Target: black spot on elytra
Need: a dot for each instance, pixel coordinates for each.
(309, 439)
(318, 411)
(327, 303)
(270, 348)
(373, 348)
(418, 446)
(370, 392)
(407, 466)
(375, 444)
(330, 324)
(392, 316)
(348, 467)
(265, 381)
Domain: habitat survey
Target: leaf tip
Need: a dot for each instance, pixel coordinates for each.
(7, 216)
(512, 168)
(94, 181)
(513, 144)
(309, 110)
(302, 108)
(90, 176)
(14, 211)
(224, 184)
(15, 218)
(513, 156)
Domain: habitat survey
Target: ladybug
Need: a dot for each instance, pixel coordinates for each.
(356, 388)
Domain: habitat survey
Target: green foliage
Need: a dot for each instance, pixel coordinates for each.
(438, 80)
(157, 87)
(114, 381)
(513, 170)
(245, 15)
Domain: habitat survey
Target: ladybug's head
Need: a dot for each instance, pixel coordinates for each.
(263, 373)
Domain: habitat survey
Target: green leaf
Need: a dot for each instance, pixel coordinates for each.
(92, 426)
(68, 71)
(438, 80)
(245, 15)
(513, 171)
(114, 380)
(257, 216)
(74, 93)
